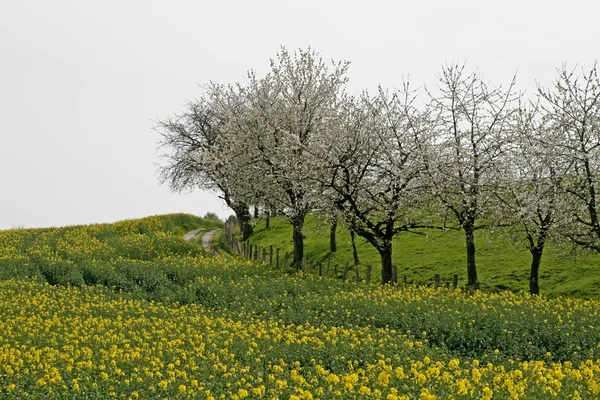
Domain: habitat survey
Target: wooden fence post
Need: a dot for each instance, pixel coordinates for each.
(264, 255)
(277, 258)
(304, 264)
(394, 274)
(437, 280)
(271, 256)
(368, 277)
(346, 270)
(320, 270)
(455, 281)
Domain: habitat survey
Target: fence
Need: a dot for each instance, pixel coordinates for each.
(274, 257)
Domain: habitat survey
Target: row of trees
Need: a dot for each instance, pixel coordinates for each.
(464, 155)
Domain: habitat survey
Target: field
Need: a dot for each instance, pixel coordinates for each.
(129, 310)
(502, 263)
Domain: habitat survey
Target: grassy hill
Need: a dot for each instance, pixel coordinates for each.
(501, 263)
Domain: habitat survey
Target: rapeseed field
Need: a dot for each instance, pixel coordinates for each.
(130, 311)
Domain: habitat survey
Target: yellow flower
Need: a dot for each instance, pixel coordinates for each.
(163, 384)
(364, 390)
(333, 379)
(383, 378)
(487, 393)
(306, 395)
(280, 384)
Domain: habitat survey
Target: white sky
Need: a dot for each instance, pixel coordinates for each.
(81, 82)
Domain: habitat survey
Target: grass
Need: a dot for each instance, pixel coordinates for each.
(501, 264)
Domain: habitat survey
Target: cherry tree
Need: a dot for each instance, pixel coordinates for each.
(198, 152)
(374, 168)
(530, 198)
(464, 154)
(572, 108)
(285, 113)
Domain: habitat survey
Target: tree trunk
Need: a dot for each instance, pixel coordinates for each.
(471, 266)
(298, 237)
(536, 257)
(332, 240)
(244, 218)
(385, 252)
(354, 251)
(255, 211)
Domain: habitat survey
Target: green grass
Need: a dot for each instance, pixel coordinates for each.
(501, 264)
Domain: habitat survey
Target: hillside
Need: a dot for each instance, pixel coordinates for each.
(502, 264)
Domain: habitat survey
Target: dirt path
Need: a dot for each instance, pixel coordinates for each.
(188, 237)
(207, 239)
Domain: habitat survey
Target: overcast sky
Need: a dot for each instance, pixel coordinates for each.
(81, 82)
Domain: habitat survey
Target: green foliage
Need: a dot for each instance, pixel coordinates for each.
(212, 216)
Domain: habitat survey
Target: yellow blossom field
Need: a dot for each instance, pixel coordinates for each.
(84, 314)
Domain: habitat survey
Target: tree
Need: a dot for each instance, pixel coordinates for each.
(198, 152)
(462, 159)
(572, 108)
(374, 168)
(529, 193)
(286, 112)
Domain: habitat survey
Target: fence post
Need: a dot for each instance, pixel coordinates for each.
(437, 280)
(368, 277)
(271, 255)
(455, 281)
(277, 258)
(264, 255)
(304, 264)
(346, 270)
(394, 274)
(328, 264)
(320, 270)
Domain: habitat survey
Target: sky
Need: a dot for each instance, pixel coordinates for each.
(82, 83)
